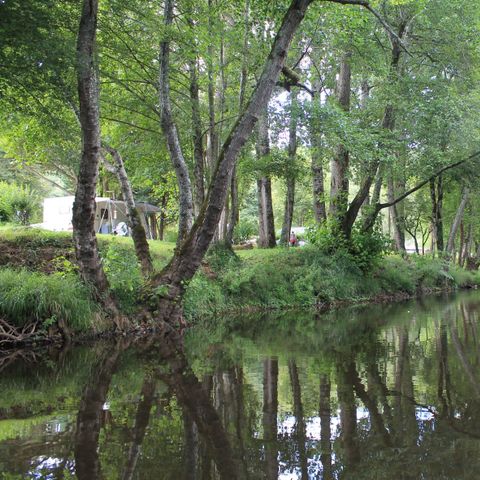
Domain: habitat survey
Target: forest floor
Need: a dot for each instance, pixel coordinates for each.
(38, 280)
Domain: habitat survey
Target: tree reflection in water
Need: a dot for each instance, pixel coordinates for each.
(364, 393)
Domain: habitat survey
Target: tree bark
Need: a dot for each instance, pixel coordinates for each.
(142, 417)
(325, 414)
(89, 418)
(188, 257)
(340, 162)
(269, 420)
(396, 216)
(197, 138)
(456, 221)
(139, 236)
(292, 152)
(318, 185)
(300, 427)
(266, 222)
(170, 131)
(84, 206)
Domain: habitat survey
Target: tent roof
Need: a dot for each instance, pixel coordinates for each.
(143, 206)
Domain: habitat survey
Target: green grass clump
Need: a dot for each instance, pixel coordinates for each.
(306, 277)
(30, 296)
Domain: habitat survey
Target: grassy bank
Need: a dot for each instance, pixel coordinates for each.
(38, 279)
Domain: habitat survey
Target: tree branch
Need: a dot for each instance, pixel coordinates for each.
(385, 25)
(418, 186)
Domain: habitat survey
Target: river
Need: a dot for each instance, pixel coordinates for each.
(371, 392)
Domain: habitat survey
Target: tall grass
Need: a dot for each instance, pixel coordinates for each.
(30, 296)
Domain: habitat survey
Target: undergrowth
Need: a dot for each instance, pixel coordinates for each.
(27, 297)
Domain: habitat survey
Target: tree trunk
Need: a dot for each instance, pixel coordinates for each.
(90, 415)
(397, 221)
(233, 217)
(269, 420)
(142, 417)
(84, 206)
(300, 427)
(456, 222)
(325, 414)
(388, 123)
(266, 223)
(170, 131)
(198, 171)
(339, 164)
(188, 257)
(318, 186)
(292, 152)
(139, 236)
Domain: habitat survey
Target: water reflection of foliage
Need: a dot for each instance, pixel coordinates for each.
(367, 393)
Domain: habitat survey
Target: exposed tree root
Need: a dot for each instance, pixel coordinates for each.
(12, 336)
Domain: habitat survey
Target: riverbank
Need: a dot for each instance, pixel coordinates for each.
(40, 289)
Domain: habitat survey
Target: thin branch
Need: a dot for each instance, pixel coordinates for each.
(418, 186)
(385, 25)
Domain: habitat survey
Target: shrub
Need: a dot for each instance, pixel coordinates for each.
(17, 203)
(362, 249)
(244, 230)
(123, 272)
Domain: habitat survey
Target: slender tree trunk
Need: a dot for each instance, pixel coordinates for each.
(436, 195)
(142, 418)
(266, 223)
(318, 185)
(348, 413)
(300, 428)
(198, 171)
(388, 123)
(325, 413)
(234, 213)
(212, 143)
(170, 131)
(89, 418)
(234, 217)
(84, 206)
(339, 164)
(139, 236)
(397, 224)
(188, 257)
(292, 153)
(269, 420)
(456, 221)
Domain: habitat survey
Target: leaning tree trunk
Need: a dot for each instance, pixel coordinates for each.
(388, 123)
(456, 221)
(188, 257)
(292, 152)
(139, 236)
(266, 223)
(340, 161)
(170, 131)
(84, 206)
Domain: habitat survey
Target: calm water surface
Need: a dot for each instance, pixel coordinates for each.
(382, 392)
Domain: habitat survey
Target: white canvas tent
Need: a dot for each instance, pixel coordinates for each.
(57, 214)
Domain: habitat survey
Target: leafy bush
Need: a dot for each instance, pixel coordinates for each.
(363, 249)
(17, 203)
(27, 296)
(123, 272)
(244, 230)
